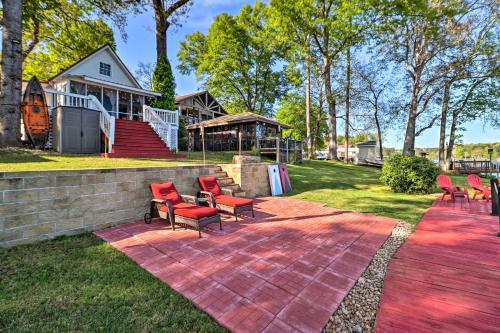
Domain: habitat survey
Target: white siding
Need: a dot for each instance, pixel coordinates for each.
(90, 67)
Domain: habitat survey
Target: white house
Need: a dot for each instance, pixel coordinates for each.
(129, 126)
(103, 75)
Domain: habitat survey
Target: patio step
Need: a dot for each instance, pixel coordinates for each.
(233, 187)
(241, 194)
(223, 181)
(220, 174)
(227, 183)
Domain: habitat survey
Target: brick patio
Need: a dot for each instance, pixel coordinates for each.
(287, 270)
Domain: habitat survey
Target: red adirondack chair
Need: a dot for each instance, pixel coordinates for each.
(479, 189)
(168, 204)
(212, 192)
(444, 183)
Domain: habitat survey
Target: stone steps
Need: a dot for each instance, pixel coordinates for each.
(223, 181)
(227, 183)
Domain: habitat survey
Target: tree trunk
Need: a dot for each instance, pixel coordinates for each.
(161, 29)
(161, 41)
(453, 134)
(11, 74)
(409, 143)
(347, 104)
(379, 134)
(332, 118)
(442, 130)
(308, 100)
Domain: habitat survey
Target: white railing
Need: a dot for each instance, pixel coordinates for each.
(60, 98)
(164, 122)
(106, 122)
(167, 116)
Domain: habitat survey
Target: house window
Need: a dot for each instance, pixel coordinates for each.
(105, 69)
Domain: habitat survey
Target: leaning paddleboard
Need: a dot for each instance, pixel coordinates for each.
(274, 179)
(35, 113)
(286, 184)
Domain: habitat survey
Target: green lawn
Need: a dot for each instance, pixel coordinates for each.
(24, 160)
(356, 188)
(82, 284)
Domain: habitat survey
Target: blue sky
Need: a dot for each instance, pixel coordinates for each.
(140, 47)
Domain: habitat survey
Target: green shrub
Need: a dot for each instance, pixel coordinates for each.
(163, 82)
(409, 174)
(182, 136)
(255, 151)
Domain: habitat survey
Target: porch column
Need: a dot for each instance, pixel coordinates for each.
(131, 105)
(117, 104)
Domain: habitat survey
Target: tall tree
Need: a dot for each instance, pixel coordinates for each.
(239, 61)
(372, 81)
(347, 103)
(468, 66)
(416, 34)
(337, 26)
(57, 33)
(11, 69)
(291, 112)
(167, 13)
(292, 20)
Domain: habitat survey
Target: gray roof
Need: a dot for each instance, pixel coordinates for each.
(244, 117)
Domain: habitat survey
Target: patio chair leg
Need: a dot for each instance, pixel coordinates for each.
(220, 224)
(236, 215)
(199, 233)
(253, 215)
(442, 198)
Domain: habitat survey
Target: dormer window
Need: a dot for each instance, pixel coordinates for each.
(104, 69)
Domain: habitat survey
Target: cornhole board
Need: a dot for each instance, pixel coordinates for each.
(274, 179)
(286, 184)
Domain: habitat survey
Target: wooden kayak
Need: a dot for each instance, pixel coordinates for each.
(35, 113)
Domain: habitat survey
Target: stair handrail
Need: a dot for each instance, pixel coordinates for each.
(166, 130)
(106, 120)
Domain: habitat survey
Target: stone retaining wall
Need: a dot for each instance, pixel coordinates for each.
(37, 205)
(252, 177)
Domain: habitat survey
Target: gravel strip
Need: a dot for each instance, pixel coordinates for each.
(357, 311)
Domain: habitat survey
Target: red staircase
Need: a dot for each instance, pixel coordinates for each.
(138, 139)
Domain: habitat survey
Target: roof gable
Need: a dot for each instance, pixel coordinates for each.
(89, 66)
(202, 98)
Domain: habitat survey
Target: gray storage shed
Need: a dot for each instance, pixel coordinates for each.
(76, 130)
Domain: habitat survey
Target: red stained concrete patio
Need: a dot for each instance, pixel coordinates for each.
(446, 277)
(286, 270)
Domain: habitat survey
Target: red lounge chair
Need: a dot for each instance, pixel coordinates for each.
(169, 205)
(479, 189)
(444, 183)
(226, 203)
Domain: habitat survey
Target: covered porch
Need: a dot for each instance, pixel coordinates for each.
(244, 131)
(122, 102)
